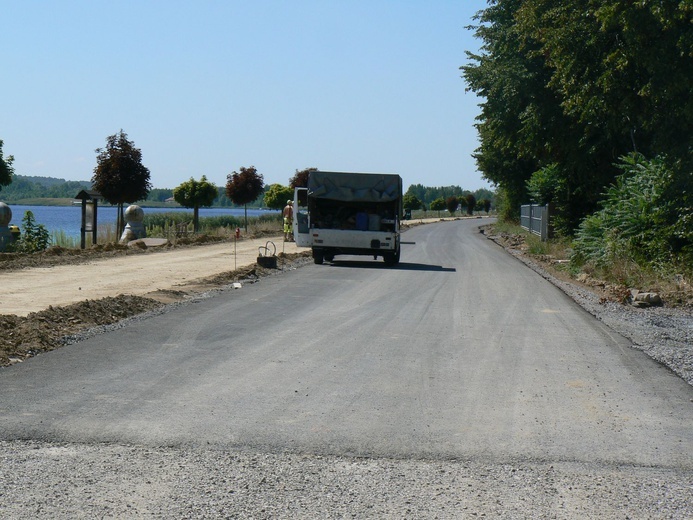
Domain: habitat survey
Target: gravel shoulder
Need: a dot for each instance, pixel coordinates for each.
(93, 481)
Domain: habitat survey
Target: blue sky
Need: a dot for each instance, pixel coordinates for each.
(205, 87)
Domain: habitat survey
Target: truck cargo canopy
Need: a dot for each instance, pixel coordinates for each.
(355, 187)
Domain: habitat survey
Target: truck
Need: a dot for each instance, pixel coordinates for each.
(344, 213)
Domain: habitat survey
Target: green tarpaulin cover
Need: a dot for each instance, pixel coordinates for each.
(358, 187)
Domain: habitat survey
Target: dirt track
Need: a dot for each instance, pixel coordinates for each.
(155, 274)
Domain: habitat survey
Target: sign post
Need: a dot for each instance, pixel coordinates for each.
(90, 202)
(235, 254)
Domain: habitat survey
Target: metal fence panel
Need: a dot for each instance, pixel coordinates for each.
(535, 219)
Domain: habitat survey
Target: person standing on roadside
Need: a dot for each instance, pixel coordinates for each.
(288, 220)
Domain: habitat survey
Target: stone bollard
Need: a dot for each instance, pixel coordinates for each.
(5, 218)
(134, 229)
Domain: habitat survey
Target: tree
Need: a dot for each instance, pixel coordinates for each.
(462, 202)
(160, 194)
(195, 194)
(244, 187)
(451, 204)
(471, 204)
(411, 202)
(276, 196)
(505, 78)
(120, 175)
(6, 169)
(300, 178)
(572, 86)
(438, 205)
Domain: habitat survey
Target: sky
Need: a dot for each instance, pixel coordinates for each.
(207, 87)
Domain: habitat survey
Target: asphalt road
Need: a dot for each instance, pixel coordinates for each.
(461, 351)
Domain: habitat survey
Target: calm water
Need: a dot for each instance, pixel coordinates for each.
(68, 219)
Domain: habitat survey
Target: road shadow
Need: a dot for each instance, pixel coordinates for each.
(402, 266)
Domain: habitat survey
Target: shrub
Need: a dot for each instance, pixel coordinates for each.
(640, 221)
(34, 238)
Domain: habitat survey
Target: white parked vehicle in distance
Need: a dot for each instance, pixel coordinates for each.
(343, 213)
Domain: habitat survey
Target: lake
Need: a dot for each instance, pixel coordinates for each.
(68, 219)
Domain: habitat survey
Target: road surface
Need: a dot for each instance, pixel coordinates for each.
(460, 357)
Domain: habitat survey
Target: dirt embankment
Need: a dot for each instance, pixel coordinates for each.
(49, 296)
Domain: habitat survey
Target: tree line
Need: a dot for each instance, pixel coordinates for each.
(438, 198)
(584, 100)
(42, 188)
(31, 187)
(272, 196)
(121, 177)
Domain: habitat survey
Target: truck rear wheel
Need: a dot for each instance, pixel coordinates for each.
(317, 257)
(391, 258)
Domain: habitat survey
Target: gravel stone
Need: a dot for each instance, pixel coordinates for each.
(41, 480)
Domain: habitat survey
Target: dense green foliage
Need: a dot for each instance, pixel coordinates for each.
(571, 86)
(437, 205)
(42, 188)
(427, 194)
(159, 195)
(25, 187)
(640, 221)
(276, 196)
(6, 169)
(411, 202)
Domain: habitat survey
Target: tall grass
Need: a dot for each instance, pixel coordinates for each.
(105, 234)
(176, 225)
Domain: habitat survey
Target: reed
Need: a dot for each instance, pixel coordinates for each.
(176, 225)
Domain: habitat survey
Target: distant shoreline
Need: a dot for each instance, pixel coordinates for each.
(143, 204)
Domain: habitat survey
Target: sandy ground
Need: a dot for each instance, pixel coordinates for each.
(35, 289)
